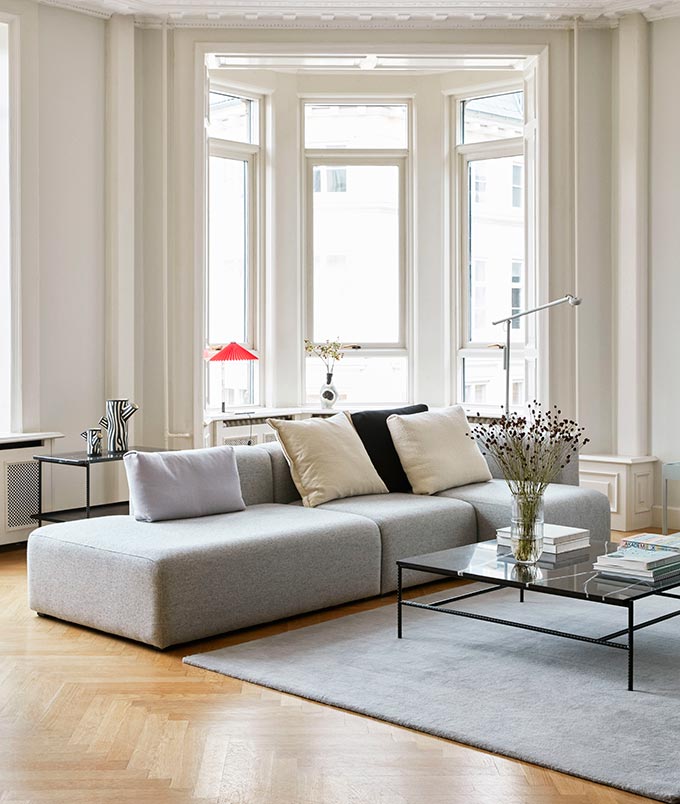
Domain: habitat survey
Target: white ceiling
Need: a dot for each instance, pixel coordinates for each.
(377, 13)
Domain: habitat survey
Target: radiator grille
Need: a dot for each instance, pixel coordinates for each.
(238, 441)
(22, 493)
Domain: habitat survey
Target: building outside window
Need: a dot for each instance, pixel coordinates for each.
(232, 253)
(355, 254)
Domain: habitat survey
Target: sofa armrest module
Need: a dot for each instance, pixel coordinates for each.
(170, 582)
(106, 590)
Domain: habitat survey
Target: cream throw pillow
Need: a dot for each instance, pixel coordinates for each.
(436, 451)
(327, 459)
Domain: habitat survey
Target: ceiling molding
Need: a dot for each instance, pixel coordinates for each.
(358, 14)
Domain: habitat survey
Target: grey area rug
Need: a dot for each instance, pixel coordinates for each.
(545, 700)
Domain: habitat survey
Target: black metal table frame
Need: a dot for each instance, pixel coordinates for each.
(496, 584)
(49, 516)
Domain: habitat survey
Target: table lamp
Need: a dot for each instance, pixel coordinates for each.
(232, 351)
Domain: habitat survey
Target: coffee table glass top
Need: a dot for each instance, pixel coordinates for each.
(568, 574)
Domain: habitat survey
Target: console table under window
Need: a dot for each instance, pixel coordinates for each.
(86, 462)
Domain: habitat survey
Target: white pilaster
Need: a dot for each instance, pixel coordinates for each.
(284, 259)
(631, 264)
(432, 345)
(120, 207)
(120, 225)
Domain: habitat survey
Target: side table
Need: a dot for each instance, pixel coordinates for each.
(85, 461)
(669, 471)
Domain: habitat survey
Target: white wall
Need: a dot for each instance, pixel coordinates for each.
(664, 251)
(71, 315)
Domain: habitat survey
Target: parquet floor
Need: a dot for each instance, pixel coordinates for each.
(88, 718)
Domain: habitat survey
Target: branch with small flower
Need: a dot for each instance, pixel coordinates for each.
(328, 352)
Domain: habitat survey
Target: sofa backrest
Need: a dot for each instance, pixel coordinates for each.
(284, 488)
(255, 471)
(265, 475)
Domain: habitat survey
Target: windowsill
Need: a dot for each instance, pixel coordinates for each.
(260, 412)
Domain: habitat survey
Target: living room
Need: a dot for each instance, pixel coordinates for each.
(226, 225)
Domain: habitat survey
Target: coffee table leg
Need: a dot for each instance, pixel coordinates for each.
(399, 602)
(631, 646)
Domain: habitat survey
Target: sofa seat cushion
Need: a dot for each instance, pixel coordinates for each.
(411, 525)
(169, 582)
(564, 505)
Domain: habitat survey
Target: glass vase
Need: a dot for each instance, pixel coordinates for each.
(328, 394)
(526, 534)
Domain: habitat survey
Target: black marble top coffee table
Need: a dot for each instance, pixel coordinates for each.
(567, 575)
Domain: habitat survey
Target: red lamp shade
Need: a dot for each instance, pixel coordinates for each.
(232, 351)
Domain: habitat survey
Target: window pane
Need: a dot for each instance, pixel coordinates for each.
(240, 384)
(227, 251)
(495, 117)
(496, 230)
(356, 126)
(361, 380)
(233, 118)
(484, 379)
(356, 254)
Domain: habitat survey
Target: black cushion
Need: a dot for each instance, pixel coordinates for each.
(371, 425)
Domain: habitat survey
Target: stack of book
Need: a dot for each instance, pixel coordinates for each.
(557, 539)
(639, 564)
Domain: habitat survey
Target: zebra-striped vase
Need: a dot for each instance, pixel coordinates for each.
(118, 411)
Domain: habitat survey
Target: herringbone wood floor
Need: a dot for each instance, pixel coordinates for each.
(85, 718)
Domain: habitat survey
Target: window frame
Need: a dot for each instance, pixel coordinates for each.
(464, 153)
(253, 155)
(366, 156)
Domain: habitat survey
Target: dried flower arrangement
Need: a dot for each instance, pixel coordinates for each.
(530, 450)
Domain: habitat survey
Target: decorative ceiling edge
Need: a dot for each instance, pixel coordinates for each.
(309, 23)
(395, 21)
(81, 9)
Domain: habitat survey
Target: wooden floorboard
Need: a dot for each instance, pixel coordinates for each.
(86, 717)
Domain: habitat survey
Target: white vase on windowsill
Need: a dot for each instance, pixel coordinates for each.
(328, 393)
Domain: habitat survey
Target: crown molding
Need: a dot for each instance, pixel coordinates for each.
(357, 15)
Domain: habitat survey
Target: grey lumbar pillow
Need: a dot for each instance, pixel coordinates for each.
(183, 484)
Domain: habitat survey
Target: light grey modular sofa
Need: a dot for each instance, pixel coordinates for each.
(165, 583)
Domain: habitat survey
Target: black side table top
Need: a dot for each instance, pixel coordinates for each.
(83, 459)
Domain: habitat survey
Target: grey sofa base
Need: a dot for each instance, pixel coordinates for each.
(167, 583)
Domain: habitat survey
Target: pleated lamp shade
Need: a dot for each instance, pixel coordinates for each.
(232, 351)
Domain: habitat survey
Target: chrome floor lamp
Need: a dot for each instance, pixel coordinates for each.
(574, 301)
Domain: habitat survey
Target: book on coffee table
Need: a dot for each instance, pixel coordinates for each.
(633, 563)
(653, 541)
(556, 538)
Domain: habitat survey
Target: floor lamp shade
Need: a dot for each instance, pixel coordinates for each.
(230, 353)
(233, 351)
